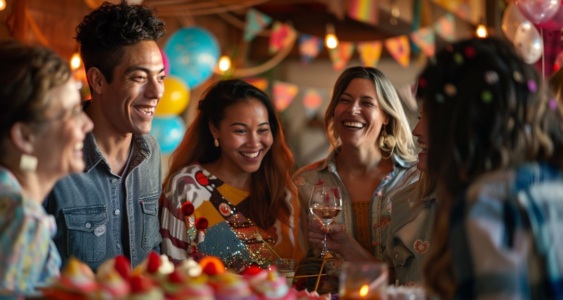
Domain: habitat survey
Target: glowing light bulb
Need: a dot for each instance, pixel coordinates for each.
(481, 31)
(224, 63)
(2, 4)
(331, 41)
(75, 61)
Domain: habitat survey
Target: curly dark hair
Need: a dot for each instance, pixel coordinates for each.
(28, 73)
(105, 32)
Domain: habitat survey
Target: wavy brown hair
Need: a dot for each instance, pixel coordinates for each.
(487, 110)
(271, 184)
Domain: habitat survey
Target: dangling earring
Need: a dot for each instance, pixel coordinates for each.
(28, 163)
(387, 142)
(216, 143)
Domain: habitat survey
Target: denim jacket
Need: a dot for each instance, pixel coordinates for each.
(325, 172)
(90, 217)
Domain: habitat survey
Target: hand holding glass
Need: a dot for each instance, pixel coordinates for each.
(325, 204)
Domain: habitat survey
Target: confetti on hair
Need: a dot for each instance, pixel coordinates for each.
(486, 96)
(450, 89)
(553, 104)
(517, 76)
(422, 82)
(532, 86)
(469, 52)
(458, 58)
(440, 98)
(491, 77)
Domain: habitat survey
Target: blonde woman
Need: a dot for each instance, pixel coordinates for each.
(372, 154)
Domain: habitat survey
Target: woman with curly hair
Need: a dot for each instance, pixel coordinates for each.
(495, 149)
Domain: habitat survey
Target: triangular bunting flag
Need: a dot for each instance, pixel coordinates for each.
(309, 47)
(400, 49)
(445, 27)
(341, 55)
(261, 83)
(255, 23)
(312, 101)
(363, 10)
(425, 38)
(284, 93)
(370, 52)
(281, 35)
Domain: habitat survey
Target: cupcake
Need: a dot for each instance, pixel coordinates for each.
(144, 288)
(179, 286)
(77, 281)
(271, 286)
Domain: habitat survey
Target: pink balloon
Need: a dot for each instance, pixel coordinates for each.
(555, 23)
(165, 62)
(538, 11)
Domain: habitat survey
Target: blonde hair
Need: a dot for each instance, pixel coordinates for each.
(389, 102)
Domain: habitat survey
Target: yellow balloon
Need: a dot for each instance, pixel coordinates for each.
(175, 99)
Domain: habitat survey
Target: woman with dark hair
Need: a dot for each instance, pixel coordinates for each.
(42, 130)
(372, 155)
(495, 148)
(231, 172)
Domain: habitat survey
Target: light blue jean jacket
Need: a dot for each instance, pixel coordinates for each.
(100, 215)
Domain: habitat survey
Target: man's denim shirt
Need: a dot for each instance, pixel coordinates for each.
(90, 217)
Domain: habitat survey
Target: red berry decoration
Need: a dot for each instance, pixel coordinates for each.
(187, 209)
(176, 277)
(140, 284)
(201, 223)
(252, 270)
(153, 262)
(122, 266)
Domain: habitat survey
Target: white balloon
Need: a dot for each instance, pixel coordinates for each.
(528, 43)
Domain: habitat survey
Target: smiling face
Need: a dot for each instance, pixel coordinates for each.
(59, 142)
(244, 136)
(358, 118)
(420, 131)
(129, 101)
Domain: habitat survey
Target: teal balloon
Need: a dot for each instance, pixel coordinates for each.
(168, 132)
(192, 55)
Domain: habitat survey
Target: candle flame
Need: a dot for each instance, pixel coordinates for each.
(364, 290)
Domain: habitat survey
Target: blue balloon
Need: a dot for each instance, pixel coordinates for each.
(168, 132)
(192, 55)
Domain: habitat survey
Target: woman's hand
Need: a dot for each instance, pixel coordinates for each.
(338, 240)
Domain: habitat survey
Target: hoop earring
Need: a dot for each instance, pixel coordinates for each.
(28, 163)
(387, 142)
(216, 143)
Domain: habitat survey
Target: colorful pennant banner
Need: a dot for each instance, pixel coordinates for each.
(309, 47)
(281, 36)
(400, 49)
(370, 52)
(255, 23)
(445, 27)
(284, 93)
(425, 39)
(341, 55)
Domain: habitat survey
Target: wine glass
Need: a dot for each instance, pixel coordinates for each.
(325, 204)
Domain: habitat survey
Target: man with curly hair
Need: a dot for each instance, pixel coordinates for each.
(112, 207)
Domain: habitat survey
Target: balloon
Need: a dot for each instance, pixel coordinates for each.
(538, 11)
(193, 53)
(168, 132)
(175, 98)
(528, 42)
(165, 62)
(555, 23)
(511, 20)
